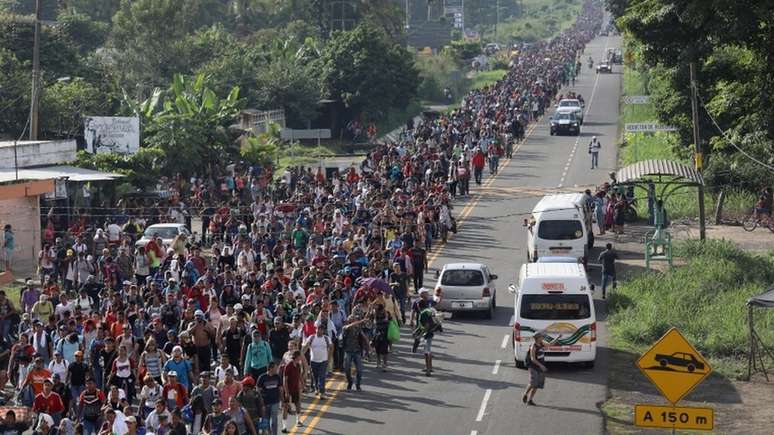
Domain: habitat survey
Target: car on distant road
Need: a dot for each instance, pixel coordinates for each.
(565, 122)
(491, 48)
(467, 287)
(571, 105)
(604, 68)
(680, 359)
(167, 232)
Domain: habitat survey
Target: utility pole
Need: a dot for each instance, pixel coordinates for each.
(35, 101)
(698, 155)
(497, 19)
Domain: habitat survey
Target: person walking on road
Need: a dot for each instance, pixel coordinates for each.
(535, 362)
(607, 259)
(478, 165)
(594, 147)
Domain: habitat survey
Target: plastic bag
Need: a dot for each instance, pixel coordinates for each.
(393, 331)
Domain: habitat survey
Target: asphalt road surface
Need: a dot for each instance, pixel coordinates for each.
(475, 388)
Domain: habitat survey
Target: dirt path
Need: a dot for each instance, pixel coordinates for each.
(740, 407)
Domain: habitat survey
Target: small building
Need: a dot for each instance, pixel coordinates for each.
(32, 172)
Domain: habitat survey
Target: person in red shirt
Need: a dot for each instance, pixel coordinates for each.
(174, 393)
(478, 164)
(36, 377)
(49, 402)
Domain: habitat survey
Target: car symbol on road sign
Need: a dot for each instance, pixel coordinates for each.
(674, 366)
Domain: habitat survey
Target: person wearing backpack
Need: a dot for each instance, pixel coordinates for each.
(426, 325)
(535, 363)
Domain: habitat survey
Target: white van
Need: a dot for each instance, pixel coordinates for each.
(555, 298)
(560, 225)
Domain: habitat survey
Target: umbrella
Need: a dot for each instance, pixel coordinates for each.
(377, 284)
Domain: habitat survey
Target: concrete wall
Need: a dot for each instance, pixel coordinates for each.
(23, 213)
(37, 153)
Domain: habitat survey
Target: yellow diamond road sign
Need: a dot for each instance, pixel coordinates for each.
(674, 366)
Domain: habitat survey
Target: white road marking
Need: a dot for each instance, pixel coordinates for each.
(474, 432)
(588, 109)
(481, 410)
(496, 367)
(505, 341)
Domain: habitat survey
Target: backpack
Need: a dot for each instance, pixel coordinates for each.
(427, 320)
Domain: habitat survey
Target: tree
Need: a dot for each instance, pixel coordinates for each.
(142, 169)
(98, 10)
(150, 36)
(83, 31)
(64, 104)
(367, 71)
(287, 85)
(191, 126)
(14, 94)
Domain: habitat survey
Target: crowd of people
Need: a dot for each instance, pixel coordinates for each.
(294, 274)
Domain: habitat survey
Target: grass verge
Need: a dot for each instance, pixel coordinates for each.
(706, 299)
(486, 78)
(543, 19)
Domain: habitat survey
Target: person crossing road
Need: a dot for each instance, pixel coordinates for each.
(594, 147)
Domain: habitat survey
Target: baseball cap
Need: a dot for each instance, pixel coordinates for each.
(238, 307)
(199, 313)
(172, 373)
(248, 381)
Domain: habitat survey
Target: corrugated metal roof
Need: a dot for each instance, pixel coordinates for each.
(72, 173)
(670, 169)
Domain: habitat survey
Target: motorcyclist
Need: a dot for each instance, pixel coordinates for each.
(591, 62)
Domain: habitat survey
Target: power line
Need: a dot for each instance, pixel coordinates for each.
(728, 139)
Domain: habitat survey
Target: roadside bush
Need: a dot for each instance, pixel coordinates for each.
(706, 299)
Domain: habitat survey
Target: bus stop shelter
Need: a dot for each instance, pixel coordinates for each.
(660, 179)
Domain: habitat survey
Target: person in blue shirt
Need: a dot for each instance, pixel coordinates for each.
(180, 366)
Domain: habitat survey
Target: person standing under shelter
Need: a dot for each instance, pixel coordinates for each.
(594, 147)
(607, 259)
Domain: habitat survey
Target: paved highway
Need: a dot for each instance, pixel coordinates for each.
(475, 388)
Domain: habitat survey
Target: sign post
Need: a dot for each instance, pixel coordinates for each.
(647, 127)
(675, 367)
(636, 99)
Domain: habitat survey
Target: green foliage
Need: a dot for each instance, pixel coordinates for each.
(14, 93)
(705, 299)
(150, 36)
(463, 51)
(437, 72)
(58, 53)
(64, 104)
(290, 86)
(263, 149)
(141, 169)
(84, 32)
(541, 20)
(487, 78)
(98, 10)
(366, 70)
(735, 72)
(191, 125)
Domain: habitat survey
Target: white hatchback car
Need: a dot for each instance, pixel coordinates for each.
(467, 287)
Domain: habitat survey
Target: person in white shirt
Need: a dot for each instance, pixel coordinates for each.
(320, 348)
(64, 305)
(113, 233)
(58, 365)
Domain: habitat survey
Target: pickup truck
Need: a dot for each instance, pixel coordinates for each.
(680, 359)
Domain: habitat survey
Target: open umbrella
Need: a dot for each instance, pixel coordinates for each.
(377, 284)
